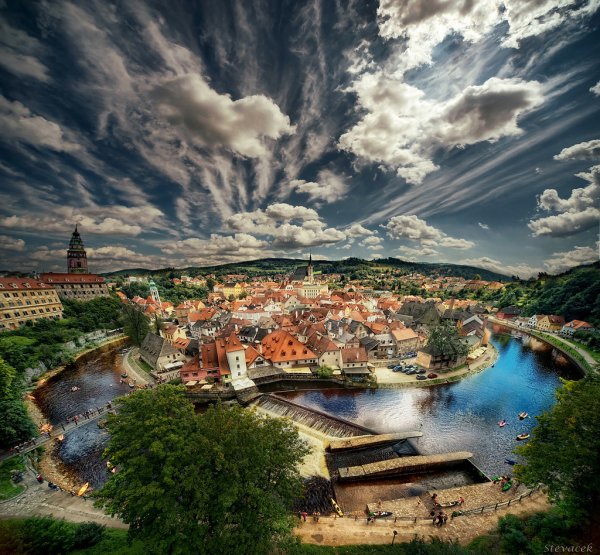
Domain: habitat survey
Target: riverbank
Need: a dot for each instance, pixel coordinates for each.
(388, 379)
(49, 465)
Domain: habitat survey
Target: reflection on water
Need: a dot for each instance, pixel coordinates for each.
(463, 415)
(97, 377)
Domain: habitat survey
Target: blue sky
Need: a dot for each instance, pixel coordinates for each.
(194, 133)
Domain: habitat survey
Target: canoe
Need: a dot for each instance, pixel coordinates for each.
(507, 486)
(502, 423)
(380, 514)
(83, 489)
(510, 461)
(337, 507)
(523, 415)
(521, 437)
(124, 375)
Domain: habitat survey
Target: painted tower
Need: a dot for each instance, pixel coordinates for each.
(309, 270)
(76, 255)
(154, 293)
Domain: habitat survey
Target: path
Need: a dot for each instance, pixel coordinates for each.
(347, 531)
(131, 367)
(39, 499)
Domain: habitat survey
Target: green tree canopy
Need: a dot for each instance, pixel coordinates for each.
(445, 340)
(220, 482)
(564, 452)
(135, 323)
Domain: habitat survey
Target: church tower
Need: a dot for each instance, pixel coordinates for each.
(309, 270)
(76, 255)
(154, 293)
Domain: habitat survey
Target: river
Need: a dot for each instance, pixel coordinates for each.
(453, 417)
(461, 416)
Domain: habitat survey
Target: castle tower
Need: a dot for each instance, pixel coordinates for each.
(309, 270)
(76, 255)
(154, 293)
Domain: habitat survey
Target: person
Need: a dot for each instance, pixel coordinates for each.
(461, 501)
(440, 519)
(444, 518)
(304, 516)
(39, 478)
(299, 515)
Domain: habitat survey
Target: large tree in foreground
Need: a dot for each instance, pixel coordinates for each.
(220, 482)
(564, 452)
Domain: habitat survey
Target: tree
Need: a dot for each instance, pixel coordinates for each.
(220, 482)
(15, 424)
(563, 453)
(135, 323)
(444, 340)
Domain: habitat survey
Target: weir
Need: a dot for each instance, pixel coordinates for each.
(324, 423)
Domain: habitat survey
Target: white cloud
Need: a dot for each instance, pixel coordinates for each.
(372, 243)
(416, 229)
(18, 52)
(402, 128)
(521, 270)
(99, 226)
(589, 150)
(213, 120)
(561, 261)
(288, 226)
(18, 124)
(577, 213)
(11, 243)
(595, 89)
(483, 226)
(357, 230)
(414, 254)
(329, 187)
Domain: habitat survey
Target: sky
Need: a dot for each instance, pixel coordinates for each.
(197, 133)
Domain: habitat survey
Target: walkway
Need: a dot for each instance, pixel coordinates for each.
(347, 531)
(59, 429)
(39, 499)
(131, 367)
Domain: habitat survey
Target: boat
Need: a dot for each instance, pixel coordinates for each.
(523, 415)
(502, 423)
(448, 505)
(83, 489)
(509, 461)
(380, 514)
(61, 437)
(521, 437)
(337, 507)
(74, 388)
(131, 385)
(507, 486)
(124, 375)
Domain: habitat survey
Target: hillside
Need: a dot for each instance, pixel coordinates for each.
(357, 266)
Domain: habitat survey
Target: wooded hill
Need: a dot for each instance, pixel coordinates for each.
(360, 268)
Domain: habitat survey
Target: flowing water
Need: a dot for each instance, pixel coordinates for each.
(462, 416)
(97, 376)
(454, 417)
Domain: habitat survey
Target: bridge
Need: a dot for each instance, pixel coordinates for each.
(58, 430)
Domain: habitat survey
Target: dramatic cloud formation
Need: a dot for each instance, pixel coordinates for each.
(329, 187)
(17, 123)
(18, 53)
(105, 226)
(402, 128)
(524, 271)
(412, 227)
(596, 89)
(11, 244)
(215, 119)
(561, 261)
(589, 150)
(415, 254)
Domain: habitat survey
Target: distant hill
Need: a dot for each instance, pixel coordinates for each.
(273, 266)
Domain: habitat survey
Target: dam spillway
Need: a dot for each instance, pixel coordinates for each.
(323, 423)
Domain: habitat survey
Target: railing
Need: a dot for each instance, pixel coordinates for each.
(455, 513)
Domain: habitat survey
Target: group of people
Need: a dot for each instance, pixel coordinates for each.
(438, 519)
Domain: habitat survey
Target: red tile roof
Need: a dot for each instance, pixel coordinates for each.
(281, 346)
(71, 278)
(22, 283)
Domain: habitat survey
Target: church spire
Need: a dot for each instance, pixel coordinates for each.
(76, 255)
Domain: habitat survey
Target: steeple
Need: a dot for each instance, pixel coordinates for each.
(76, 255)
(309, 269)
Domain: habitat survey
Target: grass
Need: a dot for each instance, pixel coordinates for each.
(566, 348)
(9, 489)
(144, 366)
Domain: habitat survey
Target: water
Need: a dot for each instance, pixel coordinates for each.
(453, 417)
(97, 375)
(462, 416)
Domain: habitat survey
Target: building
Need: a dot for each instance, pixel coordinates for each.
(407, 341)
(283, 350)
(25, 299)
(160, 355)
(575, 326)
(76, 255)
(303, 282)
(550, 322)
(78, 287)
(77, 284)
(508, 313)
